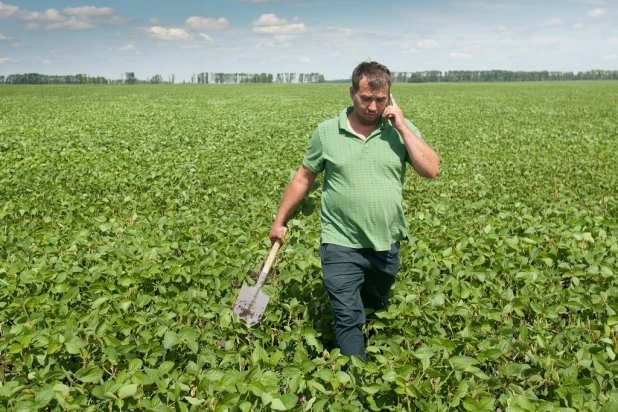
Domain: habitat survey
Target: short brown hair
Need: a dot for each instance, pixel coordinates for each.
(376, 73)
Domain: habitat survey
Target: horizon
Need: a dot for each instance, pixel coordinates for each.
(341, 80)
(110, 38)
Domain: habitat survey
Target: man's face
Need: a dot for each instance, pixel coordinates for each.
(369, 103)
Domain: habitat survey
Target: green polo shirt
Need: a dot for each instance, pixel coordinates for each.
(363, 182)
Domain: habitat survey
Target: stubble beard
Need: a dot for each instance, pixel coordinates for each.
(368, 122)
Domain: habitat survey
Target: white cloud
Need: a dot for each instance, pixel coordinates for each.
(610, 57)
(56, 51)
(47, 62)
(79, 17)
(161, 33)
(88, 11)
(206, 37)
(204, 23)
(20, 44)
(127, 47)
(269, 20)
(551, 22)
(408, 51)
(5, 38)
(7, 10)
(597, 13)
(459, 56)
(427, 44)
(578, 26)
(154, 20)
(259, 1)
(271, 24)
(47, 15)
(296, 28)
(502, 28)
(305, 59)
(73, 24)
(7, 60)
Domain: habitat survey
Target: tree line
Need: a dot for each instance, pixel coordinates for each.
(436, 76)
(430, 76)
(130, 78)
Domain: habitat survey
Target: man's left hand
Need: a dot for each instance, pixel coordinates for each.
(395, 115)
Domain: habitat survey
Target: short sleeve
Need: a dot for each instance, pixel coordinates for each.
(314, 159)
(414, 129)
(417, 133)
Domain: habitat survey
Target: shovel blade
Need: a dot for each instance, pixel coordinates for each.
(251, 304)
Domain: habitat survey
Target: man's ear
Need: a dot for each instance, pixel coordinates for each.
(351, 92)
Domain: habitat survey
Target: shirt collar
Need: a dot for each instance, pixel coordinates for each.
(343, 120)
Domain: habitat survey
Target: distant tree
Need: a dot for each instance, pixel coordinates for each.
(130, 78)
(156, 79)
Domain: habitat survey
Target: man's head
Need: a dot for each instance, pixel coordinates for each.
(371, 83)
(377, 75)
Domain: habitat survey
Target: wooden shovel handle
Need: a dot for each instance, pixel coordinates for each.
(269, 262)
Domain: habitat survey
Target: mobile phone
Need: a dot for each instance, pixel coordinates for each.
(388, 103)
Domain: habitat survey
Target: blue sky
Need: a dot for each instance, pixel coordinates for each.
(110, 37)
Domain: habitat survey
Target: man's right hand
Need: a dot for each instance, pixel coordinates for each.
(277, 233)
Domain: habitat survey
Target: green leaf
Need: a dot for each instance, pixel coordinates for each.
(43, 398)
(90, 374)
(99, 302)
(165, 367)
(371, 389)
(277, 405)
(127, 391)
(289, 400)
(171, 339)
(194, 401)
(74, 346)
(610, 352)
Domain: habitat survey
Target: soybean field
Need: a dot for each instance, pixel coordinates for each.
(130, 216)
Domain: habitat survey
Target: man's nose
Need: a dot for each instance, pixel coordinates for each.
(373, 105)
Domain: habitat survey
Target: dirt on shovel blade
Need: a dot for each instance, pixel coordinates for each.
(254, 275)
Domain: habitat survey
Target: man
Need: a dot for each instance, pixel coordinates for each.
(363, 153)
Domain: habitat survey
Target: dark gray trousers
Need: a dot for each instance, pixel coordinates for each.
(357, 279)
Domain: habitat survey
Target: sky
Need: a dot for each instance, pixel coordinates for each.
(183, 37)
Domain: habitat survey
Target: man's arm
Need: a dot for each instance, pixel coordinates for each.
(294, 194)
(425, 160)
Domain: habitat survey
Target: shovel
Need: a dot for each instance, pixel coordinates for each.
(251, 302)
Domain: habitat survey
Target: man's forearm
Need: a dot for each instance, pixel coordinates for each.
(424, 159)
(294, 194)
